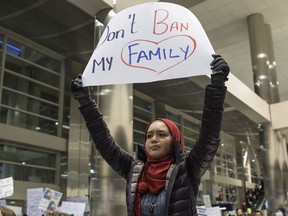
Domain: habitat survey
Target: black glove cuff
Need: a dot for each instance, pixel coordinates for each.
(218, 78)
(83, 99)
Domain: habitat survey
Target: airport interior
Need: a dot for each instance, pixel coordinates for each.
(44, 143)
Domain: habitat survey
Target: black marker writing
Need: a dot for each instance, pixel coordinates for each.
(112, 35)
(104, 61)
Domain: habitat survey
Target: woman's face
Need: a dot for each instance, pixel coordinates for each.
(158, 140)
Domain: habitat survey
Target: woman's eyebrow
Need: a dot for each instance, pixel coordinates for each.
(157, 131)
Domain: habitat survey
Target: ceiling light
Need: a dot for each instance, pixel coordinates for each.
(261, 55)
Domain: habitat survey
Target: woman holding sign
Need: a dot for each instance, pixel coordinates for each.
(162, 179)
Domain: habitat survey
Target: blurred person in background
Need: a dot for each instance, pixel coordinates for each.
(4, 211)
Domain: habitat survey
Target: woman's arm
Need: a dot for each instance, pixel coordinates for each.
(111, 152)
(208, 141)
(202, 154)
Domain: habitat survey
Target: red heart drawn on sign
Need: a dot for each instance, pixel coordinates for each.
(158, 56)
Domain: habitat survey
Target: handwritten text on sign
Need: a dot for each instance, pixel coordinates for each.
(149, 42)
(6, 187)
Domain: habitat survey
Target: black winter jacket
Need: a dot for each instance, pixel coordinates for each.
(184, 176)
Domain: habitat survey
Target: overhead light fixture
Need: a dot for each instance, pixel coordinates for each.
(261, 55)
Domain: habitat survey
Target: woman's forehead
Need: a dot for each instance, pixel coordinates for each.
(157, 125)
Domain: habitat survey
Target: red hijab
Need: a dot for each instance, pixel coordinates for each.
(153, 177)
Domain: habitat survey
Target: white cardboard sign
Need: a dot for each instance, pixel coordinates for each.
(50, 200)
(74, 208)
(149, 42)
(6, 187)
(34, 196)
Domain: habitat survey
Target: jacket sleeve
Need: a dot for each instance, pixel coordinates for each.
(202, 154)
(112, 153)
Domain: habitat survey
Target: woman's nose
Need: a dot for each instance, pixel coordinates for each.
(154, 138)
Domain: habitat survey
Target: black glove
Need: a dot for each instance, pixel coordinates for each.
(220, 69)
(80, 93)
